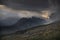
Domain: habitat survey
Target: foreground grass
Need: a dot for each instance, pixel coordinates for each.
(49, 32)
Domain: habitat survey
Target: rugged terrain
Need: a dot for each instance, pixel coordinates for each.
(46, 32)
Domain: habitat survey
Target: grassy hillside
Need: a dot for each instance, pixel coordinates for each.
(48, 32)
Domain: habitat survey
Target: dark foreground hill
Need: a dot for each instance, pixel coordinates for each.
(47, 32)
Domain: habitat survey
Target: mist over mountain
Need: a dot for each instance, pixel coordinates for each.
(25, 14)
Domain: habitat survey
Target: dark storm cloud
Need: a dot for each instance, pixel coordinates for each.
(29, 6)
